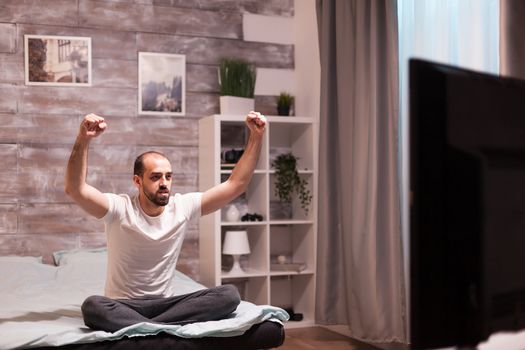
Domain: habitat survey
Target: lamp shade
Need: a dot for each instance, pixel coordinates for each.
(236, 242)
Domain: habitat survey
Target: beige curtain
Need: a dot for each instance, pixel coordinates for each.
(360, 279)
(512, 40)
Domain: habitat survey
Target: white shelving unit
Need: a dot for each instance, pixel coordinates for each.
(294, 237)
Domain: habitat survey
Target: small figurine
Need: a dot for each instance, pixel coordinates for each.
(252, 217)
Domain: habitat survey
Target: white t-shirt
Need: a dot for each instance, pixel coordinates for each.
(143, 250)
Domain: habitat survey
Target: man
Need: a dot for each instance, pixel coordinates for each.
(145, 234)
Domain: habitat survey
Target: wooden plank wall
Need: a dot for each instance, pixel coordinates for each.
(38, 124)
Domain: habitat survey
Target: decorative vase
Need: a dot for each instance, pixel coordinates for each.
(280, 210)
(236, 105)
(283, 110)
(233, 214)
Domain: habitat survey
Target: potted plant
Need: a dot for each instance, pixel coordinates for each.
(284, 102)
(288, 182)
(237, 85)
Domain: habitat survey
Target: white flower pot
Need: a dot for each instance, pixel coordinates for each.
(236, 105)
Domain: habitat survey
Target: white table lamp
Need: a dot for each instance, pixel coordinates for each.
(236, 244)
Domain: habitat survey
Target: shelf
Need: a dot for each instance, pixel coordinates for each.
(291, 273)
(291, 222)
(228, 165)
(271, 119)
(256, 171)
(285, 230)
(244, 223)
(290, 120)
(247, 273)
(301, 172)
(272, 222)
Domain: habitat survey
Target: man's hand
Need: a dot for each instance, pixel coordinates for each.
(222, 194)
(92, 126)
(256, 122)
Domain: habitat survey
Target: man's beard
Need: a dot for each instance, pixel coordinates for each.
(157, 198)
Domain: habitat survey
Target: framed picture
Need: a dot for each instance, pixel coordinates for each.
(57, 60)
(162, 83)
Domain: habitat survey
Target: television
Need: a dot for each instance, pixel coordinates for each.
(467, 205)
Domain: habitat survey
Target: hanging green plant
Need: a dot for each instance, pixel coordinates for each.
(288, 181)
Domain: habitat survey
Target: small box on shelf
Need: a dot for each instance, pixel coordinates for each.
(288, 267)
(285, 263)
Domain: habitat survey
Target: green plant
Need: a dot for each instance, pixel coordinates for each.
(289, 182)
(236, 78)
(284, 100)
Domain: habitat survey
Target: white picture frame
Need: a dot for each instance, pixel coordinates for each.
(162, 84)
(52, 60)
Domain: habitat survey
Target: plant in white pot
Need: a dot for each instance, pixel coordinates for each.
(237, 85)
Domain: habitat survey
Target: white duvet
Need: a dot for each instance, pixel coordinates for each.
(40, 304)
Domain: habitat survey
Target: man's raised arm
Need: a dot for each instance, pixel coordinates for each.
(87, 197)
(220, 195)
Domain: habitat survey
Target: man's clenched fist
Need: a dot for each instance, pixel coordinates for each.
(92, 126)
(256, 122)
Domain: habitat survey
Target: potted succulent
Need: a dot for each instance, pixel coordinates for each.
(284, 103)
(237, 85)
(288, 182)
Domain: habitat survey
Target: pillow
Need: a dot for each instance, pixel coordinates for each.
(22, 259)
(82, 269)
(68, 257)
(23, 271)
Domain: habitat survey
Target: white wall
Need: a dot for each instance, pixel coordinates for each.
(307, 63)
(277, 30)
(300, 30)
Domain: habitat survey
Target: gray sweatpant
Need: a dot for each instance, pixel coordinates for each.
(102, 313)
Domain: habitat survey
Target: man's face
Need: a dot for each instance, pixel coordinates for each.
(155, 183)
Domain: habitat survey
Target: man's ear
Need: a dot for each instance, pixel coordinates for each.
(137, 180)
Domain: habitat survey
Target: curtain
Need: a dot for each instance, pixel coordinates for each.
(512, 40)
(457, 32)
(360, 263)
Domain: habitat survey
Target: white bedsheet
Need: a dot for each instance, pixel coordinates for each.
(40, 306)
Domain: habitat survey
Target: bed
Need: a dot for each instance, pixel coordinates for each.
(40, 309)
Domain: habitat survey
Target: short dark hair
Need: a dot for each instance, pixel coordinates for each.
(138, 167)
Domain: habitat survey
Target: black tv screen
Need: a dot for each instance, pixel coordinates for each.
(467, 211)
